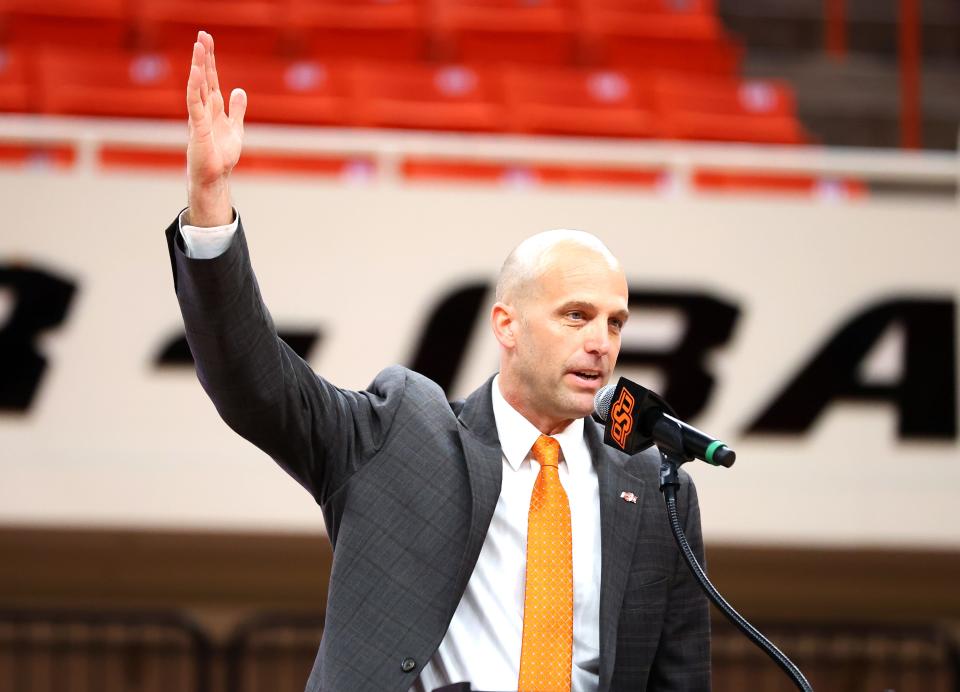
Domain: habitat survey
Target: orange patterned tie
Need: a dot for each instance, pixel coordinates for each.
(547, 652)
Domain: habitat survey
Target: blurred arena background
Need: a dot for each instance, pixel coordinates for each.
(780, 178)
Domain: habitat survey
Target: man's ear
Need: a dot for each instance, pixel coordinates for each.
(504, 323)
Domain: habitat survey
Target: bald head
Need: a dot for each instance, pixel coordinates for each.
(531, 258)
(562, 301)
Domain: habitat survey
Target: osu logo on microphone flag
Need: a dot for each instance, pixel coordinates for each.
(621, 420)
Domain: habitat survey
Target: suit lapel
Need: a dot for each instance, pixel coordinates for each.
(619, 520)
(483, 456)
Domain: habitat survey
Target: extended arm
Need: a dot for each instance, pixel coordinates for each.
(319, 433)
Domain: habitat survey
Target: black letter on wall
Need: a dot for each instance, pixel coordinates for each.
(40, 302)
(445, 338)
(176, 352)
(925, 396)
(709, 323)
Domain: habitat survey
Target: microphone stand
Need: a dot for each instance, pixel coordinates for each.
(672, 456)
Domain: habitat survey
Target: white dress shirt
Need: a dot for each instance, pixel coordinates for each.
(482, 645)
(207, 243)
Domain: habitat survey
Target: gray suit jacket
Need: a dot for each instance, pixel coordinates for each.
(408, 483)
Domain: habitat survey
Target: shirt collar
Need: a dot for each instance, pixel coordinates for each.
(517, 434)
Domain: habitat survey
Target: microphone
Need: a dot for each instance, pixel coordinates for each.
(636, 418)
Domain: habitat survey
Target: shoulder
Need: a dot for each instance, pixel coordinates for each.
(398, 377)
(408, 386)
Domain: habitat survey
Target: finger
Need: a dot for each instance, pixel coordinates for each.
(215, 105)
(210, 65)
(194, 100)
(204, 38)
(214, 101)
(238, 107)
(199, 59)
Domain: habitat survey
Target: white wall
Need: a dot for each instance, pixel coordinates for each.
(111, 440)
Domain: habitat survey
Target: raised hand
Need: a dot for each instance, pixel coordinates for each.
(215, 138)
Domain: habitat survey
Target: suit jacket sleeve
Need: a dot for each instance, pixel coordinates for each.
(319, 433)
(682, 660)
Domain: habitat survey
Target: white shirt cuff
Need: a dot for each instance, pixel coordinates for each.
(207, 243)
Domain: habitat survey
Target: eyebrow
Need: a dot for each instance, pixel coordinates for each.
(586, 305)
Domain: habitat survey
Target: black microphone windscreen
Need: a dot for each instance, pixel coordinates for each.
(604, 400)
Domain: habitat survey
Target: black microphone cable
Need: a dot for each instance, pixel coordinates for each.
(642, 418)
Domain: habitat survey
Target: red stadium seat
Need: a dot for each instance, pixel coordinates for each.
(529, 31)
(241, 27)
(734, 128)
(725, 109)
(779, 184)
(370, 29)
(290, 91)
(642, 19)
(678, 7)
(658, 34)
(16, 95)
(600, 176)
(68, 23)
(351, 169)
(707, 56)
(113, 83)
(729, 95)
(140, 157)
(433, 170)
(445, 97)
(579, 102)
(115, 156)
(44, 156)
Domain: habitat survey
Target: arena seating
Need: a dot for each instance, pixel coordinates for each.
(842, 60)
(424, 96)
(418, 95)
(67, 23)
(434, 170)
(311, 92)
(82, 82)
(726, 109)
(241, 26)
(642, 69)
(683, 35)
(507, 31)
(15, 94)
(620, 68)
(359, 29)
(612, 103)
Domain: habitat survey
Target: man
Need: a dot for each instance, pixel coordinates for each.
(495, 540)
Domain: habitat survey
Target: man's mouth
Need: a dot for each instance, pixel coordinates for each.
(588, 376)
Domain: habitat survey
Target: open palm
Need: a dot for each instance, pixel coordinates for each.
(215, 134)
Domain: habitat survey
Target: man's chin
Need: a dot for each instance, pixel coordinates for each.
(581, 404)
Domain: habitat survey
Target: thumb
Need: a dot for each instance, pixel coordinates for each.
(238, 106)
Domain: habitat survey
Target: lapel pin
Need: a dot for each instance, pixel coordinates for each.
(628, 497)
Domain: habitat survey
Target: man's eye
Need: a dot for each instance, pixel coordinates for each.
(616, 324)
(575, 315)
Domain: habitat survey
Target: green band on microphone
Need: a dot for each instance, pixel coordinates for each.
(714, 446)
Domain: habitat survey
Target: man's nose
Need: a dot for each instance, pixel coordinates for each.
(598, 339)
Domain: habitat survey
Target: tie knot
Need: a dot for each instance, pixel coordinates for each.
(546, 451)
